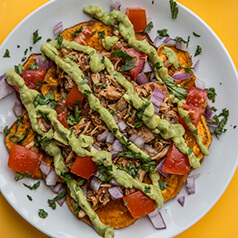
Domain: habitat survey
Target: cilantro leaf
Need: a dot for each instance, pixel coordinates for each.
(211, 93)
(162, 184)
(195, 34)
(198, 50)
(42, 213)
(52, 202)
(6, 54)
(6, 131)
(36, 37)
(77, 31)
(101, 34)
(149, 27)
(18, 68)
(33, 187)
(174, 9)
(163, 33)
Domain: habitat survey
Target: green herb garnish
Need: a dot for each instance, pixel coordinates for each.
(33, 187)
(198, 50)
(52, 202)
(163, 33)
(49, 98)
(42, 213)
(211, 93)
(18, 68)
(6, 54)
(6, 131)
(162, 184)
(77, 31)
(101, 84)
(34, 65)
(147, 189)
(29, 197)
(149, 27)
(60, 39)
(36, 37)
(195, 34)
(174, 9)
(101, 34)
(20, 176)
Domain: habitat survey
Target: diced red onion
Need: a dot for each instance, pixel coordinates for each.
(166, 40)
(45, 169)
(146, 68)
(103, 136)
(196, 65)
(95, 184)
(181, 200)
(96, 147)
(137, 140)
(125, 134)
(100, 56)
(110, 138)
(57, 29)
(2, 76)
(209, 113)
(160, 167)
(5, 88)
(211, 127)
(157, 97)
(57, 187)
(46, 64)
(84, 189)
(61, 201)
(156, 40)
(115, 192)
(141, 79)
(194, 176)
(190, 185)
(51, 178)
(117, 146)
(157, 220)
(122, 125)
(96, 173)
(200, 84)
(17, 109)
(114, 154)
(117, 118)
(114, 182)
(152, 76)
(178, 75)
(115, 4)
(149, 149)
(181, 46)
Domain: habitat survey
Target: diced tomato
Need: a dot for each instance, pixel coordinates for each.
(62, 118)
(83, 36)
(34, 75)
(84, 167)
(74, 96)
(139, 204)
(137, 16)
(194, 113)
(23, 160)
(176, 162)
(196, 97)
(140, 60)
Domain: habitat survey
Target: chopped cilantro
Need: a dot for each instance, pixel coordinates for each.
(142, 109)
(87, 92)
(48, 40)
(211, 93)
(101, 34)
(122, 54)
(60, 39)
(126, 203)
(45, 141)
(94, 32)
(23, 59)
(162, 184)
(149, 27)
(20, 176)
(138, 124)
(84, 81)
(101, 84)
(129, 65)
(147, 189)
(180, 39)
(42, 213)
(6, 54)
(91, 53)
(52, 202)
(187, 69)
(49, 98)
(71, 57)
(190, 151)
(77, 31)
(29, 197)
(33, 187)
(18, 46)
(163, 33)
(18, 68)
(221, 123)
(6, 131)
(195, 34)
(113, 112)
(34, 65)
(174, 9)
(36, 37)
(25, 52)
(198, 50)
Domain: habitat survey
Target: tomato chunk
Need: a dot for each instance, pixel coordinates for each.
(137, 16)
(84, 167)
(23, 160)
(139, 204)
(62, 118)
(74, 96)
(83, 36)
(176, 162)
(33, 75)
(140, 60)
(196, 97)
(194, 113)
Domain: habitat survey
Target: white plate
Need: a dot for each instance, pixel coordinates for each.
(216, 68)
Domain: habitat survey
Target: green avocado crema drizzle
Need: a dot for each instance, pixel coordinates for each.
(101, 157)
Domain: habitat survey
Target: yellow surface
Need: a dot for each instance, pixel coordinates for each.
(221, 221)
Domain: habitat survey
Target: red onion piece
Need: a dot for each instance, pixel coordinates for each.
(2, 76)
(117, 146)
(213, 126)
(114, 182)
(181, 46)
(157, 97)
(122, 125)
(149, 149)
(115, 4)
(146, 68)
(45, 169)
(166, 40)
(178, 76)
(84, 189)
(209, 113)
(114, 154)
(117, 118)
(137, 140)
(195, 67)
(96, 147)
(57, 29)
(103, 136)
(190, 185)
(17, 109)
(200, 84)
(160, 167)
(96, 173)
(141, 79)
(5, 89)
(95, 184)
(115, 192)
(156, 40)
(61, 201)
(110, 138)
(57, 187)
(46, 64)
(157, 220)
(194, 176)
(152, 77)
(181, 200)
(51, 178)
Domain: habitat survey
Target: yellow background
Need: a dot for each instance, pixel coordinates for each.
(222, 17)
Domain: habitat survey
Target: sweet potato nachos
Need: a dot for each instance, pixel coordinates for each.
(110, 121)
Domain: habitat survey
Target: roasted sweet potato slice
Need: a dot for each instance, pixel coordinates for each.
(114, 214)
